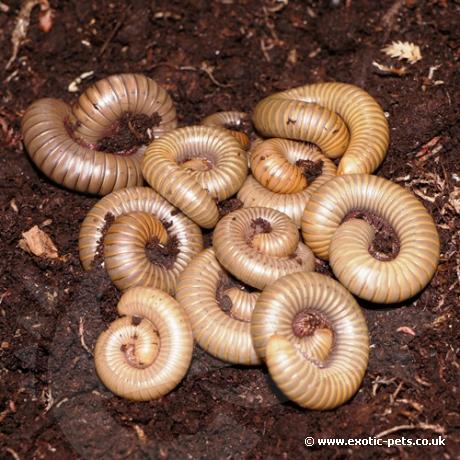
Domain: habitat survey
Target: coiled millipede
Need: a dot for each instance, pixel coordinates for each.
(62, 140)
(195, 166)
(145, 354)
(313, 337)
(225, 336)
(259, 245)
(346, 245)
(278, 181)
(231, 121)
(321, 113)
(141, 215)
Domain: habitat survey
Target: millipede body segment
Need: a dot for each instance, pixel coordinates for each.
(225, 336)
(193, 167)
(340, 118)
(61, 139)
(141, 215)
(347, 245)
(313, 337)
(145, 354)
(259, 245)
(232, 121)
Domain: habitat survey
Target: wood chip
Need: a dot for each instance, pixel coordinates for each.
(38, 243)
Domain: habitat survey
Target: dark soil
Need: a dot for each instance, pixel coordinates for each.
(310, 169)
(164, 255)
(211, 56)
(131, 131)
(227, 206)
(385, 245)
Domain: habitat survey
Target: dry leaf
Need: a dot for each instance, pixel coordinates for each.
(37, 242)
(454, 199)
(403, 50)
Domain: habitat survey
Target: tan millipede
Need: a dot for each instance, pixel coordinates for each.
(145, 354)
(195, 192)
(259, 245)
(314, 113)
(230, 120)
(346, 245)
(133, 231)
(283, 155)
(70, 159)
(314, 339)
(221, 335)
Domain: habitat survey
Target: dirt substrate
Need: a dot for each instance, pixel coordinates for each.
(215, 56)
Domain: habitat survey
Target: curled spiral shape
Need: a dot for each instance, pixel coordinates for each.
(259, 245)
(232, 121)
(323, 365)
(314, 113)
(278, 179)
(145, 354)
(346, 245)
(223, 336)
(140, 215)
(193, 167)
(70, 158)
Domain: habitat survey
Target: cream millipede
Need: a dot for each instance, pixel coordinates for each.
(140, 216)
(69, 157)
(341, 119)
(230, 121)
(224, 336)
(313, 337)
(145, 354)
(259, 245)
(278, 176)
(215, 168)
(346, 245)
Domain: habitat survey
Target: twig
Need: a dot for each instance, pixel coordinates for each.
(207, 69)
(388, 19)
(13, 453)
(421, 426)
(22, 26)
(114, 31)
(81, 333)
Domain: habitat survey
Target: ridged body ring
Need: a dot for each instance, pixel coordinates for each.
(140, 215)
(346, 245)
(314, 339)
(193, 167)
(278, 180)
(61, 140)
(231, 121)
(225, 336)
(145, 354)
(321, 113)
(259, 245)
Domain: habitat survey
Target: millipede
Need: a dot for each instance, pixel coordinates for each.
(194, 167)
(147, 352)
(346, 244)
(341, 119)
(139, 215)
(69, 156)
(313, 337)
(259, 245)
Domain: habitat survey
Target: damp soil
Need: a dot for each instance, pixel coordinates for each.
(128, 133)
(213, 56)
